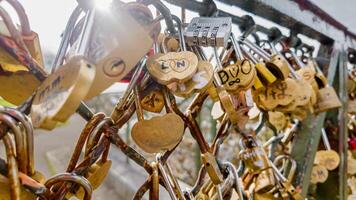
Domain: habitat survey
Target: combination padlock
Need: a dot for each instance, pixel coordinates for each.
(208, 31)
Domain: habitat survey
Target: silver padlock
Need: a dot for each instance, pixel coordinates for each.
(208, 31)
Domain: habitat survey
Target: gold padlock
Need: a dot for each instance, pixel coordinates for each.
(30, 38)
(258, 164)
(146, 132)
(61, 93)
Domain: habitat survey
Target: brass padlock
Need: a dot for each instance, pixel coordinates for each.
(258, 164)
(60, 94)
(21, 73)
(30, 37)
(145, 133)
(173, 67)
(327, 99)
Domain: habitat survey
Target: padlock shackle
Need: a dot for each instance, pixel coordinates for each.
(236, 47)
(13, 172)
(166, 180)
(26, 122)
(20, 143)
(165, 12)
(21, 13)
(255, 48)
(134, 80)
(61, 53)
(249, 55)
(68, 177)
(237, 184)
(182, 44)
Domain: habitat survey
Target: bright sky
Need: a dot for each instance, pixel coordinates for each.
(49, 17)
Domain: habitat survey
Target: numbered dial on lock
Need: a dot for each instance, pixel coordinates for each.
(60, 94)
(208, 31)
(237, 77)
(199, 82)
(173, 67)
(158, 133)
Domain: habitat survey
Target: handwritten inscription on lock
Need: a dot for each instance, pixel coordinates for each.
(279, 93)
(238, 75)
(176, 65)
(173, 67)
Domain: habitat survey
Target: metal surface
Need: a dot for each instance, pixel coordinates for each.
(343, 131)
(310, 134)
(300, 16)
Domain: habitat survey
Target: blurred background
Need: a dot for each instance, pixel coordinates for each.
(53, 149)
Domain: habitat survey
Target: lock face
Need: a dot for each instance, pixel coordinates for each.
(173, 67)
(200, 81)
(114, 47)
(327, 99)
(237, 77)
(280, 93)
(152, 100)
(258, 164)
(19, 78)
(208, 31)
(60, 94)
(158, 133)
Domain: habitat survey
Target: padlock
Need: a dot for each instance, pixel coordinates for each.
(240, 75)
(60, 94)
(319, 174)
(258, 164)
(68, 177)
(264, 75)
(21, 74)
(286, 184)
(145, 133)
(279, 93)
(327, 99)
(30, 37)
(275, 63)
(173, 67)
(115, 62)
(208, 31)
(152, 99)
(327, 158)
(201, 80)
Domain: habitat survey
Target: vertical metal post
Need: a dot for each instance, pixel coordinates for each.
(305, 143)
(343, 131)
